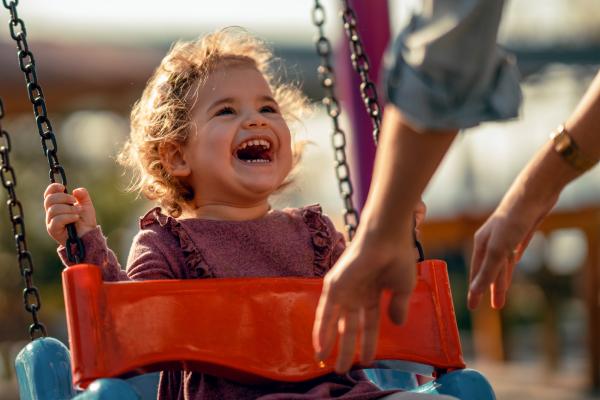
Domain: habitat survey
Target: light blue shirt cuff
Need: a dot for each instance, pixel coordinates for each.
(445, 70)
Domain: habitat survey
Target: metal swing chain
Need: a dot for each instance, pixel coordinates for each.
(338, 137)
(368, 91)
(74, 246)
(31, 295)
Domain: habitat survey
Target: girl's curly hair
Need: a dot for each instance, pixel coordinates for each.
(162, 114)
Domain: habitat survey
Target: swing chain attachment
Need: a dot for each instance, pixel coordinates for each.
(74, 246)
(31, 295)
(338, 137)
(360, 63)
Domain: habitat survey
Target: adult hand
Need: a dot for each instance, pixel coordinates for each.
(63, 208)
(499, 245)
(349, 303)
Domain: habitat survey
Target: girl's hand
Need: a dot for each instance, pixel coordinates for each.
(63, 208)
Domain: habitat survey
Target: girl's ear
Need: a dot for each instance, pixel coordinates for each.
(172, 159)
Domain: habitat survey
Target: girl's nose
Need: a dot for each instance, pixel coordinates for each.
(255, 120)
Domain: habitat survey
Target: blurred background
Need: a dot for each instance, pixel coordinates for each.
(93, 59)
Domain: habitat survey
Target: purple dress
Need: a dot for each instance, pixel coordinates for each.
(292, 242)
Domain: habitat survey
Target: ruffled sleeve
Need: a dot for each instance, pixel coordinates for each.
(327, 242)
(97, 253)
(194, 264)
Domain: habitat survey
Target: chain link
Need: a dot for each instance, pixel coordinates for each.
(31, 295)
(338, 137)
(74, 246)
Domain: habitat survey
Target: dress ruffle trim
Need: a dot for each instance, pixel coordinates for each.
(321, 237)
(194, 261)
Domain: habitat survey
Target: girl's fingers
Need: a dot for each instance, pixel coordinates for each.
(54, 188)
(61, 209)
(82, 196)
(56, 226)
(58, 198)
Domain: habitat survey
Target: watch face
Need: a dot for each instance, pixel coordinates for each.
(562, 142)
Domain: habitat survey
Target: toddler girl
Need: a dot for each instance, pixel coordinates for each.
(210, 143)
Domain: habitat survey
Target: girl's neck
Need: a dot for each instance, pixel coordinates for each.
(227, 212)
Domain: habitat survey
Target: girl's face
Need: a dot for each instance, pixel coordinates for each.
(239, 150)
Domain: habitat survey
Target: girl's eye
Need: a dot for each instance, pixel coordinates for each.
(225, 111)
(268, 109)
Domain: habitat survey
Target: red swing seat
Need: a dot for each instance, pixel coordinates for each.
(250, 330)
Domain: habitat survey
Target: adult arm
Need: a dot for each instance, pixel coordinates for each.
(381, 256)
(502, 239)
(445, 73)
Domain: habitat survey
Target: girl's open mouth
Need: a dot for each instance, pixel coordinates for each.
(254, 151)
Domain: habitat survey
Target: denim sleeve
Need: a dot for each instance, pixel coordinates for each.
(445, 69)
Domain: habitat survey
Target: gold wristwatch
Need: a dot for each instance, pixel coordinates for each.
(566, 147)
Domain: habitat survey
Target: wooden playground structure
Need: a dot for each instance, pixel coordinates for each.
(457, 233)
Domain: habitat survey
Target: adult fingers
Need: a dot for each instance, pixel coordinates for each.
(499, 287)
(348, 331)
(479, 248)
(324, 328)
(491, 267)
(522, 246)
(420, 212)
(370, 332)
(398, 308)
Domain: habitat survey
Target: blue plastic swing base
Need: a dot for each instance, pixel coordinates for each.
(43, 370)
(44, 373)
(464, 384)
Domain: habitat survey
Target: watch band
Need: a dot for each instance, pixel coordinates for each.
(566, 147)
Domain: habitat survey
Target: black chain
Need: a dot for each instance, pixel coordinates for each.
(74, 246)
(368, 91)
(31, 295)
(360, 63)
(338, 137)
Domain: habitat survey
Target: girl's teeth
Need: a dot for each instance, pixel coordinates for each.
(258, 161)
(255, 142)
